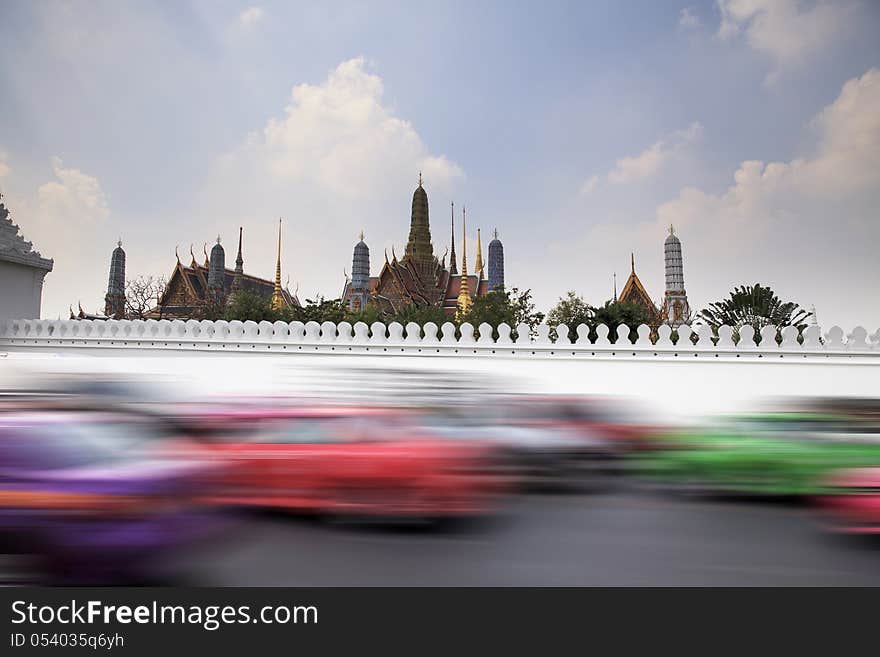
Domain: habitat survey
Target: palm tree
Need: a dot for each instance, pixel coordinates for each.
(756, 306)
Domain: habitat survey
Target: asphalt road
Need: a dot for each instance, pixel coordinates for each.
(629, 536)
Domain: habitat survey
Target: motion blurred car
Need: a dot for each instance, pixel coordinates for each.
(611, 427)
(787, 454)
(348, 462)
(852, 501)
(86, 494)
(538, 449)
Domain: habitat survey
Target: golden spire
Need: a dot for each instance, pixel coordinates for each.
(478, 267)
(277, 298)
(464, 295)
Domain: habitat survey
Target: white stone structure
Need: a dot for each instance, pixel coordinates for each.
(21, 272)
(693, 375)
(675, 302)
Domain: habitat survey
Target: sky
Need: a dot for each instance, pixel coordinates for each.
(580, 130)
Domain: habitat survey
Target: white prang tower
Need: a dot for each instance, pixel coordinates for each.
(676, 309)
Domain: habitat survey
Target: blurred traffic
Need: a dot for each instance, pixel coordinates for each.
(102, 478)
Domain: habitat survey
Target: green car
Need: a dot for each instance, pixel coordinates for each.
(769, 454)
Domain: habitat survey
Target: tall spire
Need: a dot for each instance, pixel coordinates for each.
(676, 308)
(277, 298)
(478, 266)
(496, 263)
(464, 294)
(453, 265)
(239, 261)
(419, 249)
(216, 266)
(114, 300)
(614, 298)
(632, 257)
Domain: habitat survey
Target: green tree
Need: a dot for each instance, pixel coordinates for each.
(247, 305)
(572, 311)
(615, 313)
(367, 315)
(756, 306)
(421, 315)
(512, 307)
(318, 310)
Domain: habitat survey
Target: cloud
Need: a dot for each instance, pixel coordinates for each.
(73, 199)
(340, 136)
(66, 219)
(589, 185)
(788, 31)
(634, 168)
(806, 225)
(335, 160)
(846, 162)
(811, 219)
(688, 20)
(251, 16)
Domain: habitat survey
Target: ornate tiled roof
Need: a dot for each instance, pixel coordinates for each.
(15, 248)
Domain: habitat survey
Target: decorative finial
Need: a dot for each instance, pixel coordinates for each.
(632, 257)
(495, 234)
(176, 253)
(277, 301)
(362, 235)
(218, 238)
(119, 243)
(671, 230)
(420, 178)
(193, 255)
(464, 295)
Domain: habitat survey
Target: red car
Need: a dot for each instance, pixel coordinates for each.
(854, 507)
(348, 461)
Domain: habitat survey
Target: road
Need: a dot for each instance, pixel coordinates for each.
(630, 536)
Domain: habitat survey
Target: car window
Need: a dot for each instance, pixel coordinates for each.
(56, 445)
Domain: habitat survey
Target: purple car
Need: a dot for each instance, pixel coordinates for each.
(90, 495)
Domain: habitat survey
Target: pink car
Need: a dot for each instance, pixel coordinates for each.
(854, 506)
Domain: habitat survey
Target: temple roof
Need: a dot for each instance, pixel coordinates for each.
(194, 276)
(15, 248)
(634, 292)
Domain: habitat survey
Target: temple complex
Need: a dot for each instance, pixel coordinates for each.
(674, 309)
(418, 277)
(198, 286)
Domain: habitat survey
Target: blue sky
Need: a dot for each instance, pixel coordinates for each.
(579, 130)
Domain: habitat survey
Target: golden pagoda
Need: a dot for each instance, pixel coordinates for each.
(278, 302)
(464, 296)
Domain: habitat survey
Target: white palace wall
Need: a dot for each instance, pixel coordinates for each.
(695, 376)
